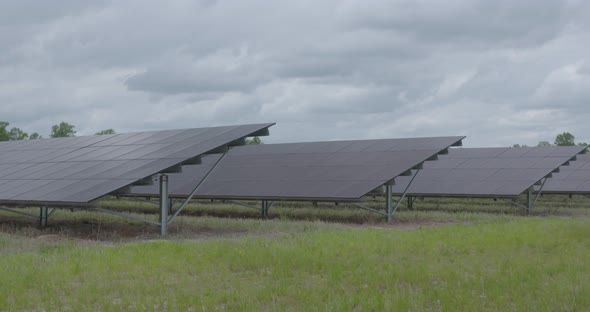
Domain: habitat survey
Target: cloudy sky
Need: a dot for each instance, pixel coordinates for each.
(499, 72)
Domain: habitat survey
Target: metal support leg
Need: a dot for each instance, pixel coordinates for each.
(390, 209)
(388, 201)
(529, 200)
(265, 209)
(43, 216)
(164, 203)
(410, 203)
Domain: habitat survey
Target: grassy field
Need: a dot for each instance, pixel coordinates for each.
(446, 255)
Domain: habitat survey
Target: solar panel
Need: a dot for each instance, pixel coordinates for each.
(571, 179)
(81, 169)
(343, 170)
(487, 172)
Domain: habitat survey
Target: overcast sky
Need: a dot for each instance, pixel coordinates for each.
(499, 72)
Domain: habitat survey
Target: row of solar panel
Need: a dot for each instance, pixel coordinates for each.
(571, 179)
(342, 170)
(487, 172)
(82, 169)
(296, 171)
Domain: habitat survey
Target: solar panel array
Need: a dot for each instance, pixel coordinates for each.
(81, 169)
(315, 170)
(571, 179)
(487, 171)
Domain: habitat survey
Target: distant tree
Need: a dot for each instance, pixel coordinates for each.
(518, 145)
(254, 141)
(4, 134)
(62, 130)
(106, 131)
(544, 143)
(16, 134)
(35, 136)
(565, 139)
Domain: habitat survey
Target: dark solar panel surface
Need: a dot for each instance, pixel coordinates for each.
(487, 171)
(81, 169)
(315, 170)
(571, 179)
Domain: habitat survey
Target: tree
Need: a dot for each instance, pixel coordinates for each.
(544, 143)
(35, 136)
(565, 139)
(4, 134)
(63, 130)
(106, 131)
(12, 134)
(16, 134)
(254, 141)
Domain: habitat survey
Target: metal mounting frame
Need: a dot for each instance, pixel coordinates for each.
(531, 199)
(265, 206)
(164, 203)
(390, 208)
(389, 200)
(411, 200)
(43, 216)
(369, 209)
(19, 212)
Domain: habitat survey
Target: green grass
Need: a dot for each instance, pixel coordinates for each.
(494, 263)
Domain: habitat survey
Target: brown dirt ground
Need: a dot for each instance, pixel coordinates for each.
(98, 230)
(89, 229)
(250, 214)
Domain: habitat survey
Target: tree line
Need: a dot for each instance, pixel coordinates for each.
(562, 139)
(61, 130)
(64, 129)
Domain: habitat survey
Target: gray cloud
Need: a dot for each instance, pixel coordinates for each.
(501, 72)
(220, 72)
(478, 24)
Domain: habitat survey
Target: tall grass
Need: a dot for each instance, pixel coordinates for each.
(535, 264)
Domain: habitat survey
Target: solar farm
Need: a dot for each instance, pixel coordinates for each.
(196, 219)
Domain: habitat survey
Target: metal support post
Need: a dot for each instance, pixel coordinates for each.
(164, 203)
(529, 200)
(388, 201)
(43, 216)
(265, 209)
(410, 203)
